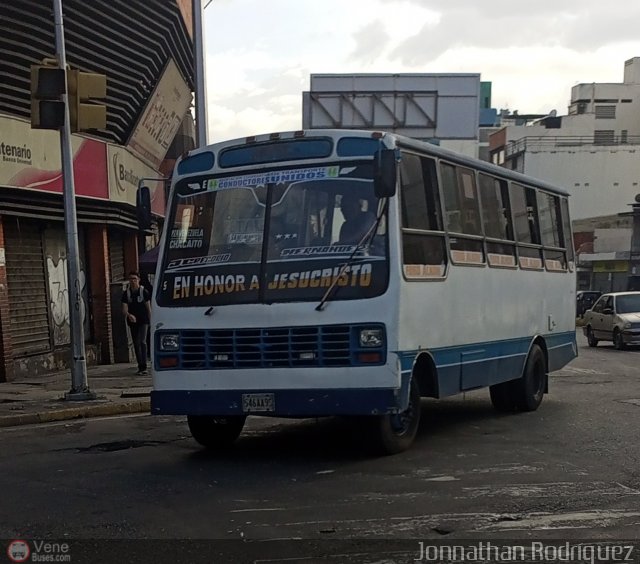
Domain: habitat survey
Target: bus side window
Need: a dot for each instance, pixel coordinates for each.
(460, 200)
(424, 252)
(527, 229)
(496, 218)
(550, 216)
(450, 192)
(462, 209)
(566, 229)
(469, 202)
(420, 209)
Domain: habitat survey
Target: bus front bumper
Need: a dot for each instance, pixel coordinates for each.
(277, 403)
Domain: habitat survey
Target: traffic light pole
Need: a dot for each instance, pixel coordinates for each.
(79, 384)
(200, 74)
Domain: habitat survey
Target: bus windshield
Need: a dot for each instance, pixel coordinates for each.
(279, 235)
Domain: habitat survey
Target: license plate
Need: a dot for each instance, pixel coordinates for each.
(258, 402)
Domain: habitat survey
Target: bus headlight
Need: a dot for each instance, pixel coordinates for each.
(371, 338)
(169, 342)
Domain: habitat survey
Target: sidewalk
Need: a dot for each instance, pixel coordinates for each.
(41, 399)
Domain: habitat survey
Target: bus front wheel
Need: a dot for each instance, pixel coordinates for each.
(391, 434)
(215, 432)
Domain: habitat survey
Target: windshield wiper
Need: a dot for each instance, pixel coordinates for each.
(364, 240)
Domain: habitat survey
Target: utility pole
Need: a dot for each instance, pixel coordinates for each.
(200, 75)
(79, 384)
(633, 280)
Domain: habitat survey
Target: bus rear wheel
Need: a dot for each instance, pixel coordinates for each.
(525, 393)
(529, 389)
(215, 432)
(391, 434)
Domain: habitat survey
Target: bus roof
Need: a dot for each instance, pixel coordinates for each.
(392, 140)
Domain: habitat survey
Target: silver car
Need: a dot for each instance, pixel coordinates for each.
(614, 317)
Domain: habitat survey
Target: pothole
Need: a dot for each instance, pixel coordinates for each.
(119, 445)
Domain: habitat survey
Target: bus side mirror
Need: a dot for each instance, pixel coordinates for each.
(384, 173)
(143, 208)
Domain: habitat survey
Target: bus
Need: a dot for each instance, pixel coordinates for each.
(352, 273)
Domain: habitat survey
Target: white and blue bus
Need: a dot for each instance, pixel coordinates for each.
(319, 273)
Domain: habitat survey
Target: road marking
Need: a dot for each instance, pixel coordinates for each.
(549, 489)
(513, 468)
(256, 509)
(577, 370)
(470, 522)
(570, 520)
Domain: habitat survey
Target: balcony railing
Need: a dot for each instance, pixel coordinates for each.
(567, 142)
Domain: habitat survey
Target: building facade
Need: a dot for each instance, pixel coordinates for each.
(594, 153)
(145, 50)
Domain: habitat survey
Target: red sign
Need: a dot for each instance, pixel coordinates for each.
(31, 159)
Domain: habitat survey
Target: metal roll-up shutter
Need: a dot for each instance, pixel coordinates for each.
(27, 282)
(116, 255)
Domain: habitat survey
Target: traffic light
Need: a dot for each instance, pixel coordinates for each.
(84, 88)
(47, 87)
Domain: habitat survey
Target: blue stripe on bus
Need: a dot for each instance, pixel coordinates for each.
(467, 367)
(459, 368)
(290, 403)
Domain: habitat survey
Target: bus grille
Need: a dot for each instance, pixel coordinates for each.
(266, 348)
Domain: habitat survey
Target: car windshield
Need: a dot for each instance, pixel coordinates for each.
(276, 236)
(628, 304)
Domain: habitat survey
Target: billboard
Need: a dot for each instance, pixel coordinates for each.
(126, 170)
(161, 117)
(423, 106)
(30, 159)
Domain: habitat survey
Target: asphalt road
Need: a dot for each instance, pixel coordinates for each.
(569, 471)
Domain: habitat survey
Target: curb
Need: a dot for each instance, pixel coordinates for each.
(86, 411)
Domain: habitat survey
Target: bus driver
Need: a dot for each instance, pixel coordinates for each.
(357, 222)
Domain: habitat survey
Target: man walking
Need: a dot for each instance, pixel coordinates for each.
(136, 307)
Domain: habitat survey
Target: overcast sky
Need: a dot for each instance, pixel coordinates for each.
(260, 53)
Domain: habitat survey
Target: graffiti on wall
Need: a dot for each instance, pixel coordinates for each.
(59, 299)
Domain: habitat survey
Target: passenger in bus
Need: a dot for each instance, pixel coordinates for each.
(357, 222)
